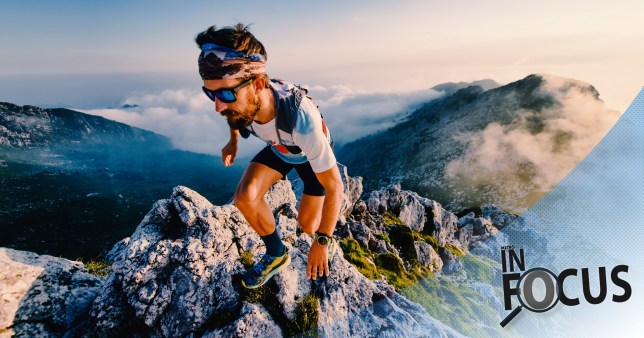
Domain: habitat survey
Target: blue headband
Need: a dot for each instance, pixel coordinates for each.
(225, 53)
(218, 62)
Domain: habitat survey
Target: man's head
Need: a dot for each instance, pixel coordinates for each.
(242, 111)
(232, 66)
(238, 38)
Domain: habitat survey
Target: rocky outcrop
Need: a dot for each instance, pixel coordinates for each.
(418, 213)
(352, 192)
(43, 295)
(254, 321)
(179, 275)
(427, 256)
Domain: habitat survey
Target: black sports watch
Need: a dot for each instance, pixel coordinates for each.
(322, 239)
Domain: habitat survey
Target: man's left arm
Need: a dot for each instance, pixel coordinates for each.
(309, 134)
(318, 262)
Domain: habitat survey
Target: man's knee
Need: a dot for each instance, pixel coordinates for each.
(246, 196)
(309, 224)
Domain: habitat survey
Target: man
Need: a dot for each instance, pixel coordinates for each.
(232, 66)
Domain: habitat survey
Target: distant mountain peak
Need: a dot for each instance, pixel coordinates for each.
(32, 127)
(450, 88)
(564, 84)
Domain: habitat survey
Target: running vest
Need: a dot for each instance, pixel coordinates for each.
(287, 100)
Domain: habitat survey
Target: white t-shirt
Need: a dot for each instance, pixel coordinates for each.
(309, 134)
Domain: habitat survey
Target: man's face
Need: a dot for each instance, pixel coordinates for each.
(240, 113)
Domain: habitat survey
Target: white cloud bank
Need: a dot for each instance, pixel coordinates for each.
(352, 113)
(189, 119)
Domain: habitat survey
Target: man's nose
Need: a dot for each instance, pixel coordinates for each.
(220, 106)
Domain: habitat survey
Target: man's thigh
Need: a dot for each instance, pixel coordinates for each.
(256, 181)
(263, 171)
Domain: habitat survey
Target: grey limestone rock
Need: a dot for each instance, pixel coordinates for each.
(280, 195)
(490, 246)
(418, 213)
(361, 233)
(352, 191)
(405, 205)
(500, 219)
(427, 256)
(453, 268)
(482, 226)
(378, 246)
(464, 235)
(253, 321)
(41, 295)
(179, 274)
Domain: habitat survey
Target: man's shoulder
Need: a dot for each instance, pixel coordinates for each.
(293, 105)
(282, 87)
(286, 90)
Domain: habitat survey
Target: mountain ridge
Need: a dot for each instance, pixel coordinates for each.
(450, 88)
(31, 126)
(506, 145)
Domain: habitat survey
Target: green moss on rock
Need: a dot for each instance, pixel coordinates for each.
(96, 268)
(246, 258)
(359, 257)
(307, 314)
(403, 239)
(391, 219)
(390, 262)
(384, 237)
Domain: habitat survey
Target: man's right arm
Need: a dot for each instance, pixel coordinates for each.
(229, 152)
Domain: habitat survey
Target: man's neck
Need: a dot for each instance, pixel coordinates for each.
(267, 107)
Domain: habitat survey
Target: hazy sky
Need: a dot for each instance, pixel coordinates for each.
(371, 45)
(366, 60)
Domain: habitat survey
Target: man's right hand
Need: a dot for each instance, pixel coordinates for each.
(229, 152)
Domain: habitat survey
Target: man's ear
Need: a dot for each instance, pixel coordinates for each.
(260, 84)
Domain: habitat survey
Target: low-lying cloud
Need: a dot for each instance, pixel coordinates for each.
(352, 113)
(190, 121)
(186, 117)
(520, 164)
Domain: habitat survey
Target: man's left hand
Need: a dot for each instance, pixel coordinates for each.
(318, 264)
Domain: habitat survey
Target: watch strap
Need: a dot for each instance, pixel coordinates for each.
(319, 235)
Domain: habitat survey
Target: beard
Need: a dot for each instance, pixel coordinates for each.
(243, 119)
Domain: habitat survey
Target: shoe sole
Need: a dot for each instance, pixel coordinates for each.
(270, 275)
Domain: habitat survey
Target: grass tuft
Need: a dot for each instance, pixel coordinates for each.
(96, 268)
(307, 314)
(246, 258)
(391, 219)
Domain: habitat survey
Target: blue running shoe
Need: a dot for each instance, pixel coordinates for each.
(266, 268)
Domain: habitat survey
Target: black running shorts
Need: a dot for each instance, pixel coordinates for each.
(268, 158)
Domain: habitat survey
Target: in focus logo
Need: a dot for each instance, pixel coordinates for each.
(539, 289)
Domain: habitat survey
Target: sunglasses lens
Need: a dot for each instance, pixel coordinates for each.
(226, 95)
(208, 93)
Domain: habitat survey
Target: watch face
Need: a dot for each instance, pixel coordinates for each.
(322, 240)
